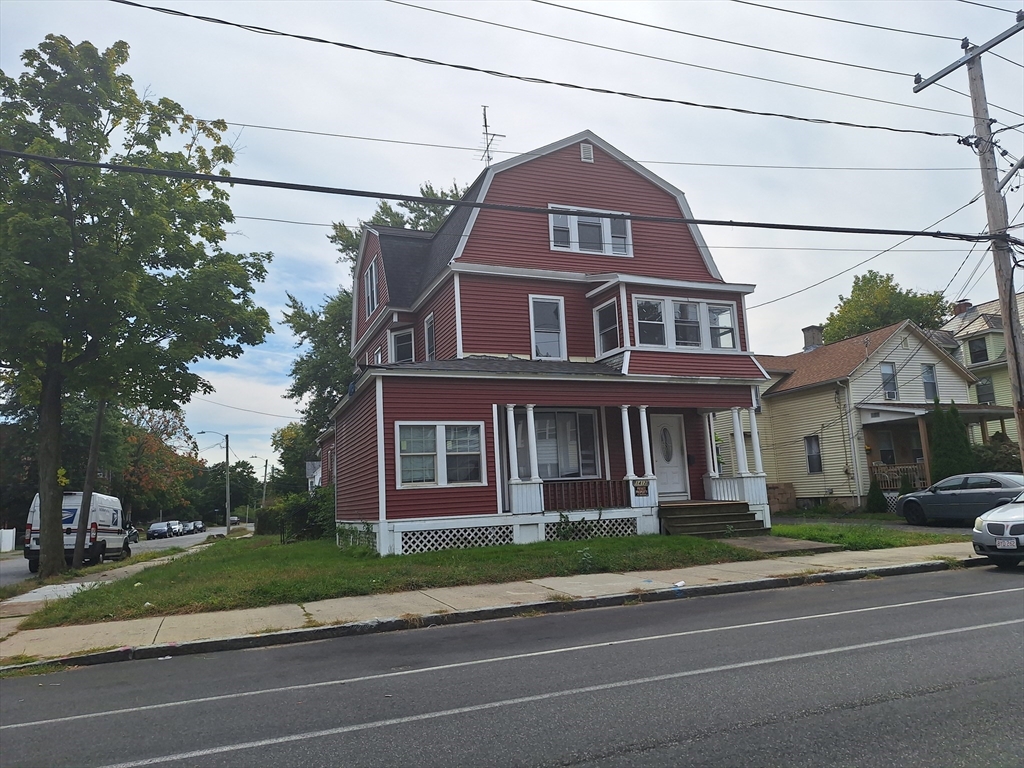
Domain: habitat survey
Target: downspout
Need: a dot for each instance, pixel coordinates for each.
(854, 455)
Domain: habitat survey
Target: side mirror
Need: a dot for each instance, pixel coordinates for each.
(1001, 502)
(933, 489)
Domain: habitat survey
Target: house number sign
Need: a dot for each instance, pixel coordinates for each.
(641, 487)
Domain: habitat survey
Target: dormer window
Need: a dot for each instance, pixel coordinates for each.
(978, 350)
(587, 231)
(402, 346)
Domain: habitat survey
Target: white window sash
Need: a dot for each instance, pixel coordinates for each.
(668, 322)
(394, 344)
(562, 345)
(440, 454)
(607, 242)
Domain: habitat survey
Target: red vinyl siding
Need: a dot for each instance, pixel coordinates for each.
(694, 430)
(356, 428)
(496, 315)
(371, 253)
(693, 364)
(442, 304)
(519, 239)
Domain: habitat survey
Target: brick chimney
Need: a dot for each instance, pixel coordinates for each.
(961, 307)
(812, 337)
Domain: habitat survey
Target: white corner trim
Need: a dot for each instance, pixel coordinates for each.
(497, 463)
(627, 340)
(625, 362)
(382, 509)
(473, 215)
(458, 318)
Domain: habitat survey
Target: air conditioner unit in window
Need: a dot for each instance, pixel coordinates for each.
(890, 395)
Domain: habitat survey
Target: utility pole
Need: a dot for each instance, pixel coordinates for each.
(995, 207)
(266, 463)
(227, 484)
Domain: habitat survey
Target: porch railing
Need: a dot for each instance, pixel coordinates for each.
(564, 495)
(890, 476)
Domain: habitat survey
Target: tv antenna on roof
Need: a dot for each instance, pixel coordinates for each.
(488, 140)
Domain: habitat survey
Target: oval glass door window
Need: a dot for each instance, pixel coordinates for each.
(667, 449)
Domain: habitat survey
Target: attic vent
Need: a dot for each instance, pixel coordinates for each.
(905, 342)
(587, 153)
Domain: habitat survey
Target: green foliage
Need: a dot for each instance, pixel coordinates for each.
(575, 530)
(876, 300)
(295, 444)
(906, 484)
(208, 491)
(951, 451)
(1000, 455)
(300, 516)
(112, 283)
(876, 503)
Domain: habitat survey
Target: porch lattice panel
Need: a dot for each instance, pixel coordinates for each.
(890, 501)
(455, 538)
(578, 530)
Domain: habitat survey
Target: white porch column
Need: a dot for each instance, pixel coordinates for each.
(709, 444)
(739, 445)
(755, 442)
(645, 436)
(627, 441)
(531, 432)
(513, 450)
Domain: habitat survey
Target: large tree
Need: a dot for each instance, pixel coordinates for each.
(876, 300)
(111, 283)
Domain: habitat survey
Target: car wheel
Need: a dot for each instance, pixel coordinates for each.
(1003, 562)
(33, 566)
(914, 513)
(126, 552)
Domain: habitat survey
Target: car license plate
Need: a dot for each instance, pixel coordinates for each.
(1006, 543)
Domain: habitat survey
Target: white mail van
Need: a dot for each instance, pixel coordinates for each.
(108, 533)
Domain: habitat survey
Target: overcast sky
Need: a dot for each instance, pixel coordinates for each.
(732, 166)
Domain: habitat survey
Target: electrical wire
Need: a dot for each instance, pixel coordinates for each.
(535, 80)
(444, 202)
(675, 61)
(722, 40)
(861, 263)
(846, 21)
(983, 5)
(247, 410)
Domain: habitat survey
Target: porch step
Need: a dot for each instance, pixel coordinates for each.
(710, 520)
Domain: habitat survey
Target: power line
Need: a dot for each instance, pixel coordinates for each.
(444, 202)
(534, 80)
(666, 60)
(846, 21)
(434, 145)
(861, 263)
(721, 40)
(983, 5)
(247, 410)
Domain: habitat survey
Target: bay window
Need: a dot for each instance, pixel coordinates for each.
(606, 321)
(695, 324)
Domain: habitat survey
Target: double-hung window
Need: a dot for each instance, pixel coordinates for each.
(606, 321)
(985, 391)
(978, 350)
(428, 337)
(694, 324)
(589, 232)
(931, 390)
(889, 389)
(370, 287)
(547, 327)
(812, 448)
(566, 444)
(402, 346)
(440, 454)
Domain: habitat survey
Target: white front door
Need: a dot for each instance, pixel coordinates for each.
(669, 451)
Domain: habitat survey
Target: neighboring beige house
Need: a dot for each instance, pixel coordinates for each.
(835, 415)
(977, 332)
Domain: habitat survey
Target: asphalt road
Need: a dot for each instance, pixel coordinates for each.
(14, 567)
(911, 670)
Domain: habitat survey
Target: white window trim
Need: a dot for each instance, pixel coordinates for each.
(429, 337)
(606, 231)
(561, 321)
(392, 357)
(370, 288)
(668, 319)
(895, 379)
(378, 356)
(808, 454)
(935, 379)
(597, 330)
(441, 466)
(600, 442)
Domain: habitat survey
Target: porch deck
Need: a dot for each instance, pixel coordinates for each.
(890, 476)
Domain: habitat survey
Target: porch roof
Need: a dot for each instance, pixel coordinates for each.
(970, 413)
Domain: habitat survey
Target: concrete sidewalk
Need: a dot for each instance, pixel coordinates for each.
(224, 630)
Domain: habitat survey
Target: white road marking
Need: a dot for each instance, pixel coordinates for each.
(545, 697)
(494, 660)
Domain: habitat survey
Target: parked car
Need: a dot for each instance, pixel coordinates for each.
(962, 497)
(234, 520)
(177, 528)
(188, 527)
(999, 533)
(160, 531)
(199, 526)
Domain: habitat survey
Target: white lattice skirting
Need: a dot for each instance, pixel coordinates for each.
(429, 535)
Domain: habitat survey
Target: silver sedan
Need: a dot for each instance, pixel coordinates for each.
(999, 534)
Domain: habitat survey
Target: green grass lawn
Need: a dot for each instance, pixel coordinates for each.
(860, 537)
(256, 572)
(839, 515)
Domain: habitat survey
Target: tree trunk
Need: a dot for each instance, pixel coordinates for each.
(51, 535)
(90, 477)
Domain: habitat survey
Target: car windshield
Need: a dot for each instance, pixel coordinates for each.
(1019, 498)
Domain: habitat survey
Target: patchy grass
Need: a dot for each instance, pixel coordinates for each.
(39, 669)
(861, 537)
(840, 514)
(259, 571)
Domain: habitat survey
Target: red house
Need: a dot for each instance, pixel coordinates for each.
(518, 366)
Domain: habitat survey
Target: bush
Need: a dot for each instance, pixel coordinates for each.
(906, 485)
(876, 503)
(300, 516)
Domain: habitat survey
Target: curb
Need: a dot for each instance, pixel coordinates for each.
(376, 626)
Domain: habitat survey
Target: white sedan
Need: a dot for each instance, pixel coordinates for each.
(999, 533)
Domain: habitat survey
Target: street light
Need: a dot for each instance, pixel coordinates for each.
(227, 476)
